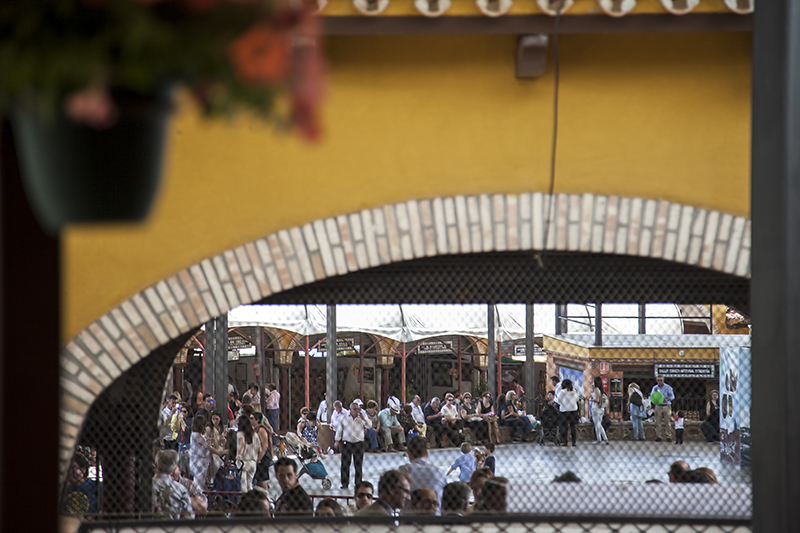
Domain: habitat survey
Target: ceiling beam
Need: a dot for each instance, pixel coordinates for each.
(530, 24)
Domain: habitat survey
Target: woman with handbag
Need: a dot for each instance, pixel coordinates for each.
(515, 419)
(486, 411)
(200, 452)
(215, 436)
(598, 406)
(568, 402)
(638, 413)
(472, 420)
(263, 431)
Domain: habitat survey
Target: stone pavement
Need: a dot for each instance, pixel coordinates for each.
(531, 464)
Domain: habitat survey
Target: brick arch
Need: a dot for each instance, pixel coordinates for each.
(347, 243)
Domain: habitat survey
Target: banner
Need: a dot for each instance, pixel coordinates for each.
(734, 404)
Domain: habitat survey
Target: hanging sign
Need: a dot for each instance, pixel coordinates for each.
(237, 342)
(434, 347)
(604, 368)
(519, 349)
(342, 345)
(679, 370)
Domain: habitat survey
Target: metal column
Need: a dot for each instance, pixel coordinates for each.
(561, 321)
(261, 359)
(643, 319)
(775, 286)
(215, 359)
(331, 366)
(220, 391)
(598, 324)
(209, 356)
(530, 348)
(491, 369)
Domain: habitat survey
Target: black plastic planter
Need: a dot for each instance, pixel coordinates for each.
(75, 173)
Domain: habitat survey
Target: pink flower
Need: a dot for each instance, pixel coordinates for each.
(91, 106)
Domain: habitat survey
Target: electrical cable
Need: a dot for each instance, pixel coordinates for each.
(551, 199)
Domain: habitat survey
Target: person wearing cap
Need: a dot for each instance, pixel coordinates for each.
(390, 426)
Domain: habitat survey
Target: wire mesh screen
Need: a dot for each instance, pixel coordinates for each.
(460, 416)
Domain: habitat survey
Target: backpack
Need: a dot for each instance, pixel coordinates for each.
(636, 399)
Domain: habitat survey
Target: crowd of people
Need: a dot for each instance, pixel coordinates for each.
(199, 438)
(242, 434)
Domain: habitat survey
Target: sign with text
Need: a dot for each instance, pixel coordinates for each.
(435, 347)
(519, 349)
(685, 370)
(342, 345)
(237, 342)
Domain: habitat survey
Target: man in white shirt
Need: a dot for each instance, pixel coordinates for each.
(350, 441)
(418, 414)
(557, 386)
(393, 400)
(420, 473)
(336, 416)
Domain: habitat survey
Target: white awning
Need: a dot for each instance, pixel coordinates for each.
(411, 322)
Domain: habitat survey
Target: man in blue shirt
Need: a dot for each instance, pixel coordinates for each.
(663, 410)
(391, 427)
(419, 472)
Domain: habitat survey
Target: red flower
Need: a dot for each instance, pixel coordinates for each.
(261, 56)
(307, 79)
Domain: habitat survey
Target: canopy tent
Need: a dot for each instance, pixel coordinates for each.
(412, 322)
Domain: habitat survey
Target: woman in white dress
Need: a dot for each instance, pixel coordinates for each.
(247, 449)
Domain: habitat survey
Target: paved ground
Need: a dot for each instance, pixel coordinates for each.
(527, 464)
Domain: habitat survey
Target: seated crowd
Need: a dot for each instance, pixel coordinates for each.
(200, 443)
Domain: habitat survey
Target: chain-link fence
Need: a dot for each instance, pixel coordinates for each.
(447, 524)
(548, 416)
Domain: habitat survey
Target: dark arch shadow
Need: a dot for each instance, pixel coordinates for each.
(518, 277)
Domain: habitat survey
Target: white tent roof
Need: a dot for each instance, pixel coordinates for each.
(411, 322)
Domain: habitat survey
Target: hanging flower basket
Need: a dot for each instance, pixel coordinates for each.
(77, 173)
(356, 368)
(87, 85)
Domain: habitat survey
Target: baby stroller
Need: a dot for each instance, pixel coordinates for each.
(226, 489)
(549, 420)
(309, 457)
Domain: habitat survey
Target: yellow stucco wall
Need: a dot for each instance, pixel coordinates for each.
(661, 116)
(558, 346)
